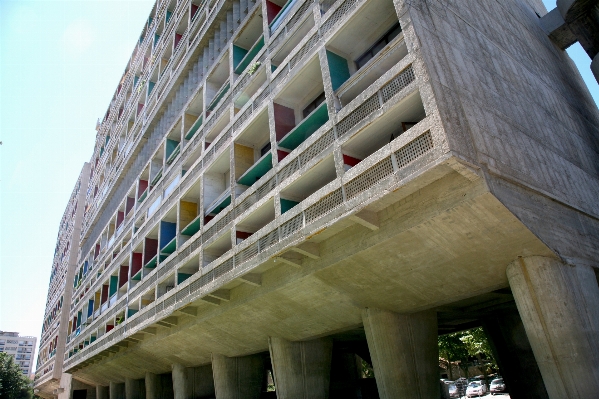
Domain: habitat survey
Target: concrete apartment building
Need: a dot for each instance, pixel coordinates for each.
(56, 316)
(280, 191)
(21, 348)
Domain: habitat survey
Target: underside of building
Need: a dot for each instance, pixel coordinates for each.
(282, 192)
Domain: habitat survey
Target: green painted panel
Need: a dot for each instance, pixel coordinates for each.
(338, 68)
(168, 15)
(224, 203)
(143, 196)
(156, 39)
(170, 247)
(181, 277)
(194, 128)
(152, 263)
(193, 227)
(238, 55)
(151, 86)
(114, 280)
(137, 276)
(173, 154)
(219, 95)
(131, 312)
(309, 125)
(171, 145)
(257, 170)
(156, 178)
(251, 54)
(287, 205)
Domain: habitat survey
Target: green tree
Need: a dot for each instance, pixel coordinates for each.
(477, 344)
(13, 384)
(452, 349)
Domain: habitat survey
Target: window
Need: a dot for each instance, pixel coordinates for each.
(265, 149)
(313, 105)
(378, 45)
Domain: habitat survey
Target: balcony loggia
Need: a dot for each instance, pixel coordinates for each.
(252, 150)
(361, 51)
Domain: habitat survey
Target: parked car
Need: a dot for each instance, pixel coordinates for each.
(476, 388)
(453, 390)
(497, 386)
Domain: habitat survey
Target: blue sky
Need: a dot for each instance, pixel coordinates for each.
(60, 63)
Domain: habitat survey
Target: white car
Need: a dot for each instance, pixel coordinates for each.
(476, 388)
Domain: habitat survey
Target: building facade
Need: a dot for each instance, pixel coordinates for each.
(55, 325)
(283, 192)
(21, 348)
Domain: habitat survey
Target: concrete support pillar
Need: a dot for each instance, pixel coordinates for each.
(559, 307)
(514, 355)
(595, 67)
(404, 352)
(238, 377)
(101, 392)
(117, 390)
(301, 369)
(182, 386)
(152, 388)
(135, 389)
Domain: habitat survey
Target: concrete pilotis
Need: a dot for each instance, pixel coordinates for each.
(117, 390)
(135, 389)
(595, 67)
(181, 384)
(301, 369)
(404, 353)
(238, 377)
(559, 307)
(101, 392)
(514, 355)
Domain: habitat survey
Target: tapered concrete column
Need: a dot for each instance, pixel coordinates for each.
(302, 370)
(117, 390)
(514, 355)
(203, 381)
(152, 388)
(135, 389)
(238, 377)
(101, 392)
(404, 353)
(559, 307)
(595, 67)
(182, 387)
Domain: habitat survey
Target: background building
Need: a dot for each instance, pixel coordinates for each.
(54, 329)
(281, 191)
(21, 348)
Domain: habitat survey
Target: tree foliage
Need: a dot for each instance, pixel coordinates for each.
(13, 384)
(460, 346)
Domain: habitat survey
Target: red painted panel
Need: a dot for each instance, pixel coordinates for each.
(272, 10)
(104, 296)
(109, 327)
(120, 216)
(351, 161)
(177, 39)
(123, 275)
(284, 120)
(281, 154)
(136, 263)
(150, 249)
(143, 184)
(97, 251)
(194, 9)
(242, 234)
(129, 205)
(140, 106)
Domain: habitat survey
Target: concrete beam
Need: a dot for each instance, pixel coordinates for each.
(556, 28)
(559, 307)
(254, 279)
(189, 310)
(404, 353)
(290, 260)
(149, 330)
(367, 219)
(224, 295)
(211, 300)
(309, 249)
(169, 322)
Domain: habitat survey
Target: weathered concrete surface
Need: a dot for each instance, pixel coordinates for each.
(404, 353)
(302, 370)
(135, 389)
(238, 377)
(446, 241)
(559, 306)
(514, 355)
(102, 392)
(116, 390)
